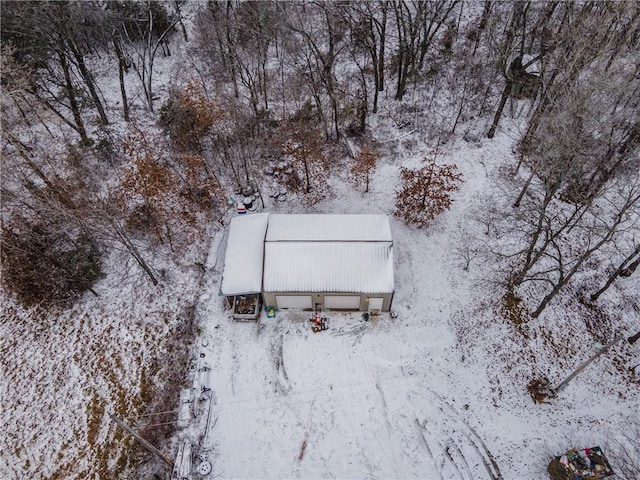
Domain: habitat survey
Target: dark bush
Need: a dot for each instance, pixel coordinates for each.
(44, 265)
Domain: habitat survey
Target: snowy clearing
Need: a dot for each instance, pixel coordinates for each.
(438, 392)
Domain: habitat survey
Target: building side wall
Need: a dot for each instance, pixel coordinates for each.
(318, 298)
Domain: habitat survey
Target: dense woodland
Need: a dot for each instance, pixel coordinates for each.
(274, 81)
(101, 152)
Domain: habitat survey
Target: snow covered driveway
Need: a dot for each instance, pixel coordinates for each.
(357, 400)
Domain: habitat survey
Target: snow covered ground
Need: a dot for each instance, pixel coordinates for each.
(438, 392)
(64, 373)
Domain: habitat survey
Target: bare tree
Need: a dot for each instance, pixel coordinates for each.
(418, 23)
(513, 70)
(317, 53)
(623, 450)
(146, 29)
(54, 38)
(563, 237)
(625, 269)
(581, 147)
(600, 234)
(235, 40)
(408, 21)
(123, 65)
(368, 23)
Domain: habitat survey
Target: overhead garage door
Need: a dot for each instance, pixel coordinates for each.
(301, 302)
(342, 302)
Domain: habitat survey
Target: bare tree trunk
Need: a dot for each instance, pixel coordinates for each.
(133, 250)
(22, 151)
(376, 79)
(177, 5)
(306, 174)
(383, 38)
(146, 55)
(518, 17)
(483, 24)
(525, 187)
(461, 108)
(535, 254)
(434, 25)
(231, 51)
(503, 101)
(75, 108)
(402, 50)
(122, 62)
(53, 109)
(88, 80)
(619, 271)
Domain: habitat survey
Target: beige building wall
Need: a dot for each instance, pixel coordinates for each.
(317, 299)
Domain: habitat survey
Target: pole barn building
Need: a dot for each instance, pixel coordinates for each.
(328, 262)
(321, 262)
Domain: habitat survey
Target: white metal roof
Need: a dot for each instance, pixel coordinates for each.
(245, 253)
(324, 227)
(364, 267)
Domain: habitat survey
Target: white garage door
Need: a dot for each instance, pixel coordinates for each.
(342, 302)
(375, 304)
(301, 302)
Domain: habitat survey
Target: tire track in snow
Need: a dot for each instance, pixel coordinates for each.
(234, 359)
(387, 420)
(281, 377)
(458, 452)
(384, 404)
(429, 452)
(357, 330)
(461, 440)
(479, 443)
(445, 457)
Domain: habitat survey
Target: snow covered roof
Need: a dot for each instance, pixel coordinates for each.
(308, 253)
(323, 227)
(328, 253)
(365, 267)
(245, 253)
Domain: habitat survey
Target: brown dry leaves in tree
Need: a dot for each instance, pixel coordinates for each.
(310, 165)
(364, 164)
(201, 186)
(149, 176)
(164, 198)
(426, 192)
(188, 117)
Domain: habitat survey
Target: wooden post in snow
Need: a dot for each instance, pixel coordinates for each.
(142, 441)
(584, 365)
